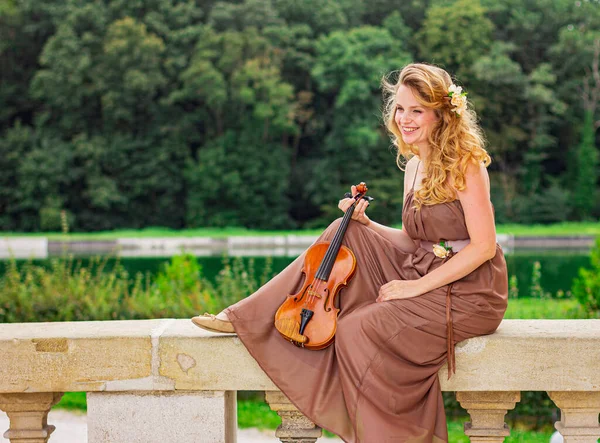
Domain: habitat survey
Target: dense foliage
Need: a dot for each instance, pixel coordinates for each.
(68, 290)
(586, 288)
(261, 113)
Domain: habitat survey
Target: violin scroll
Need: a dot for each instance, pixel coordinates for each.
(362, 189)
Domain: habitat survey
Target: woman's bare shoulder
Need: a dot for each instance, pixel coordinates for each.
(412, 163)
(473, 172)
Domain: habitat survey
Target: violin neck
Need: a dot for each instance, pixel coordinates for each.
(334, 247)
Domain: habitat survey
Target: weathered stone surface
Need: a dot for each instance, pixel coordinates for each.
(168, 354)
(198, 359)
(487, 411)
(74, 356)
(294, 427)
(578, 416)
(159, 417)
(28, 415)
(539, 355)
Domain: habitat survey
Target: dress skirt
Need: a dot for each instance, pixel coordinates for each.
(379, 381)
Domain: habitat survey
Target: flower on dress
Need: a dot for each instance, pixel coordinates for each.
(458, 98)
(441, 250)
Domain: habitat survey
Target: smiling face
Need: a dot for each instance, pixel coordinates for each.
(414, 121)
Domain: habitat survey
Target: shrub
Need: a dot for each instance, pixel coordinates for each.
(68, 291)
(586, 287)
(513, 287)
(536, 290)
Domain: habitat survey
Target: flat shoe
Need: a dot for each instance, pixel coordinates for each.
(210, 322)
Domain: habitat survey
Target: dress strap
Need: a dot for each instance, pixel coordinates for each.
(415, 177)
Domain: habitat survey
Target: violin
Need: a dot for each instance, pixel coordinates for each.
(309, 317)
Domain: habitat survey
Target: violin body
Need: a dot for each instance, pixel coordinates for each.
(309, 317)
(319, 295)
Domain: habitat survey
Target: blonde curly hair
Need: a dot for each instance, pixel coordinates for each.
(455, 141)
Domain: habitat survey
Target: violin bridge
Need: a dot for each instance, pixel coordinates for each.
(314, 294)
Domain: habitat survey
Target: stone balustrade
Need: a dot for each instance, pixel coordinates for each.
(168, 381)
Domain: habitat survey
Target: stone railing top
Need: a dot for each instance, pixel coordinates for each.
(169, 354)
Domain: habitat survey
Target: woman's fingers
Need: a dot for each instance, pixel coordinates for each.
(359, 210)
(361, 207)
(345, 203)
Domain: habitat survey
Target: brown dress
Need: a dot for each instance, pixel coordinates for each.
(379, 381)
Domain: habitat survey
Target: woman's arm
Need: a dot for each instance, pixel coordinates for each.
(397, 236)
(479, 217)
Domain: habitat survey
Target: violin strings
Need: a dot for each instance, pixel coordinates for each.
(347, 214)
(328, 255)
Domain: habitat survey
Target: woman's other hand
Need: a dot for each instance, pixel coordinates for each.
(399, 289)
(359, 211)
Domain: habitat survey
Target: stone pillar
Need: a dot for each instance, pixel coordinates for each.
(162, 416)
(578, 415)
(487, 410)
(28, 415)
(294, 427)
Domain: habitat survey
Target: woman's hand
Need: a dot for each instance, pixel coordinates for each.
(399, 289)
(359, 211)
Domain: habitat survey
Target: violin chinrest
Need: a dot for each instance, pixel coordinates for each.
(290, 330)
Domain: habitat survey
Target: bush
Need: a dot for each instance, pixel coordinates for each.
(586, 288)
(68, 291)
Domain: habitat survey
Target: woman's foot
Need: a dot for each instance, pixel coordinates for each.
(214, 323)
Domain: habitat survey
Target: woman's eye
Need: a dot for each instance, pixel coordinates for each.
(400, 109)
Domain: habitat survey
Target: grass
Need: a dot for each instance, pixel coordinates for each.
(73, 401)
(535, 308)
(557, 229)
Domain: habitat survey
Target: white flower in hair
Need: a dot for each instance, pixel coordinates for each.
(458, 98)
(454, 89)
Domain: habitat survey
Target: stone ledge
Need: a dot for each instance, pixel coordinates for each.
(169, 354)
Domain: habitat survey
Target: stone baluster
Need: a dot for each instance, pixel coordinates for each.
(487, 410)
(578, 415)
(295, 427)
(28, 415)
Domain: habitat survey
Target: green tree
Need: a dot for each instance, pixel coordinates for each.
(348, 72)
(578, 53)
(233, 88)
(239, 180)
(16, 143)
(455, 35)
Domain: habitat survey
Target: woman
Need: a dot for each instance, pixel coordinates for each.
(417, 291)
